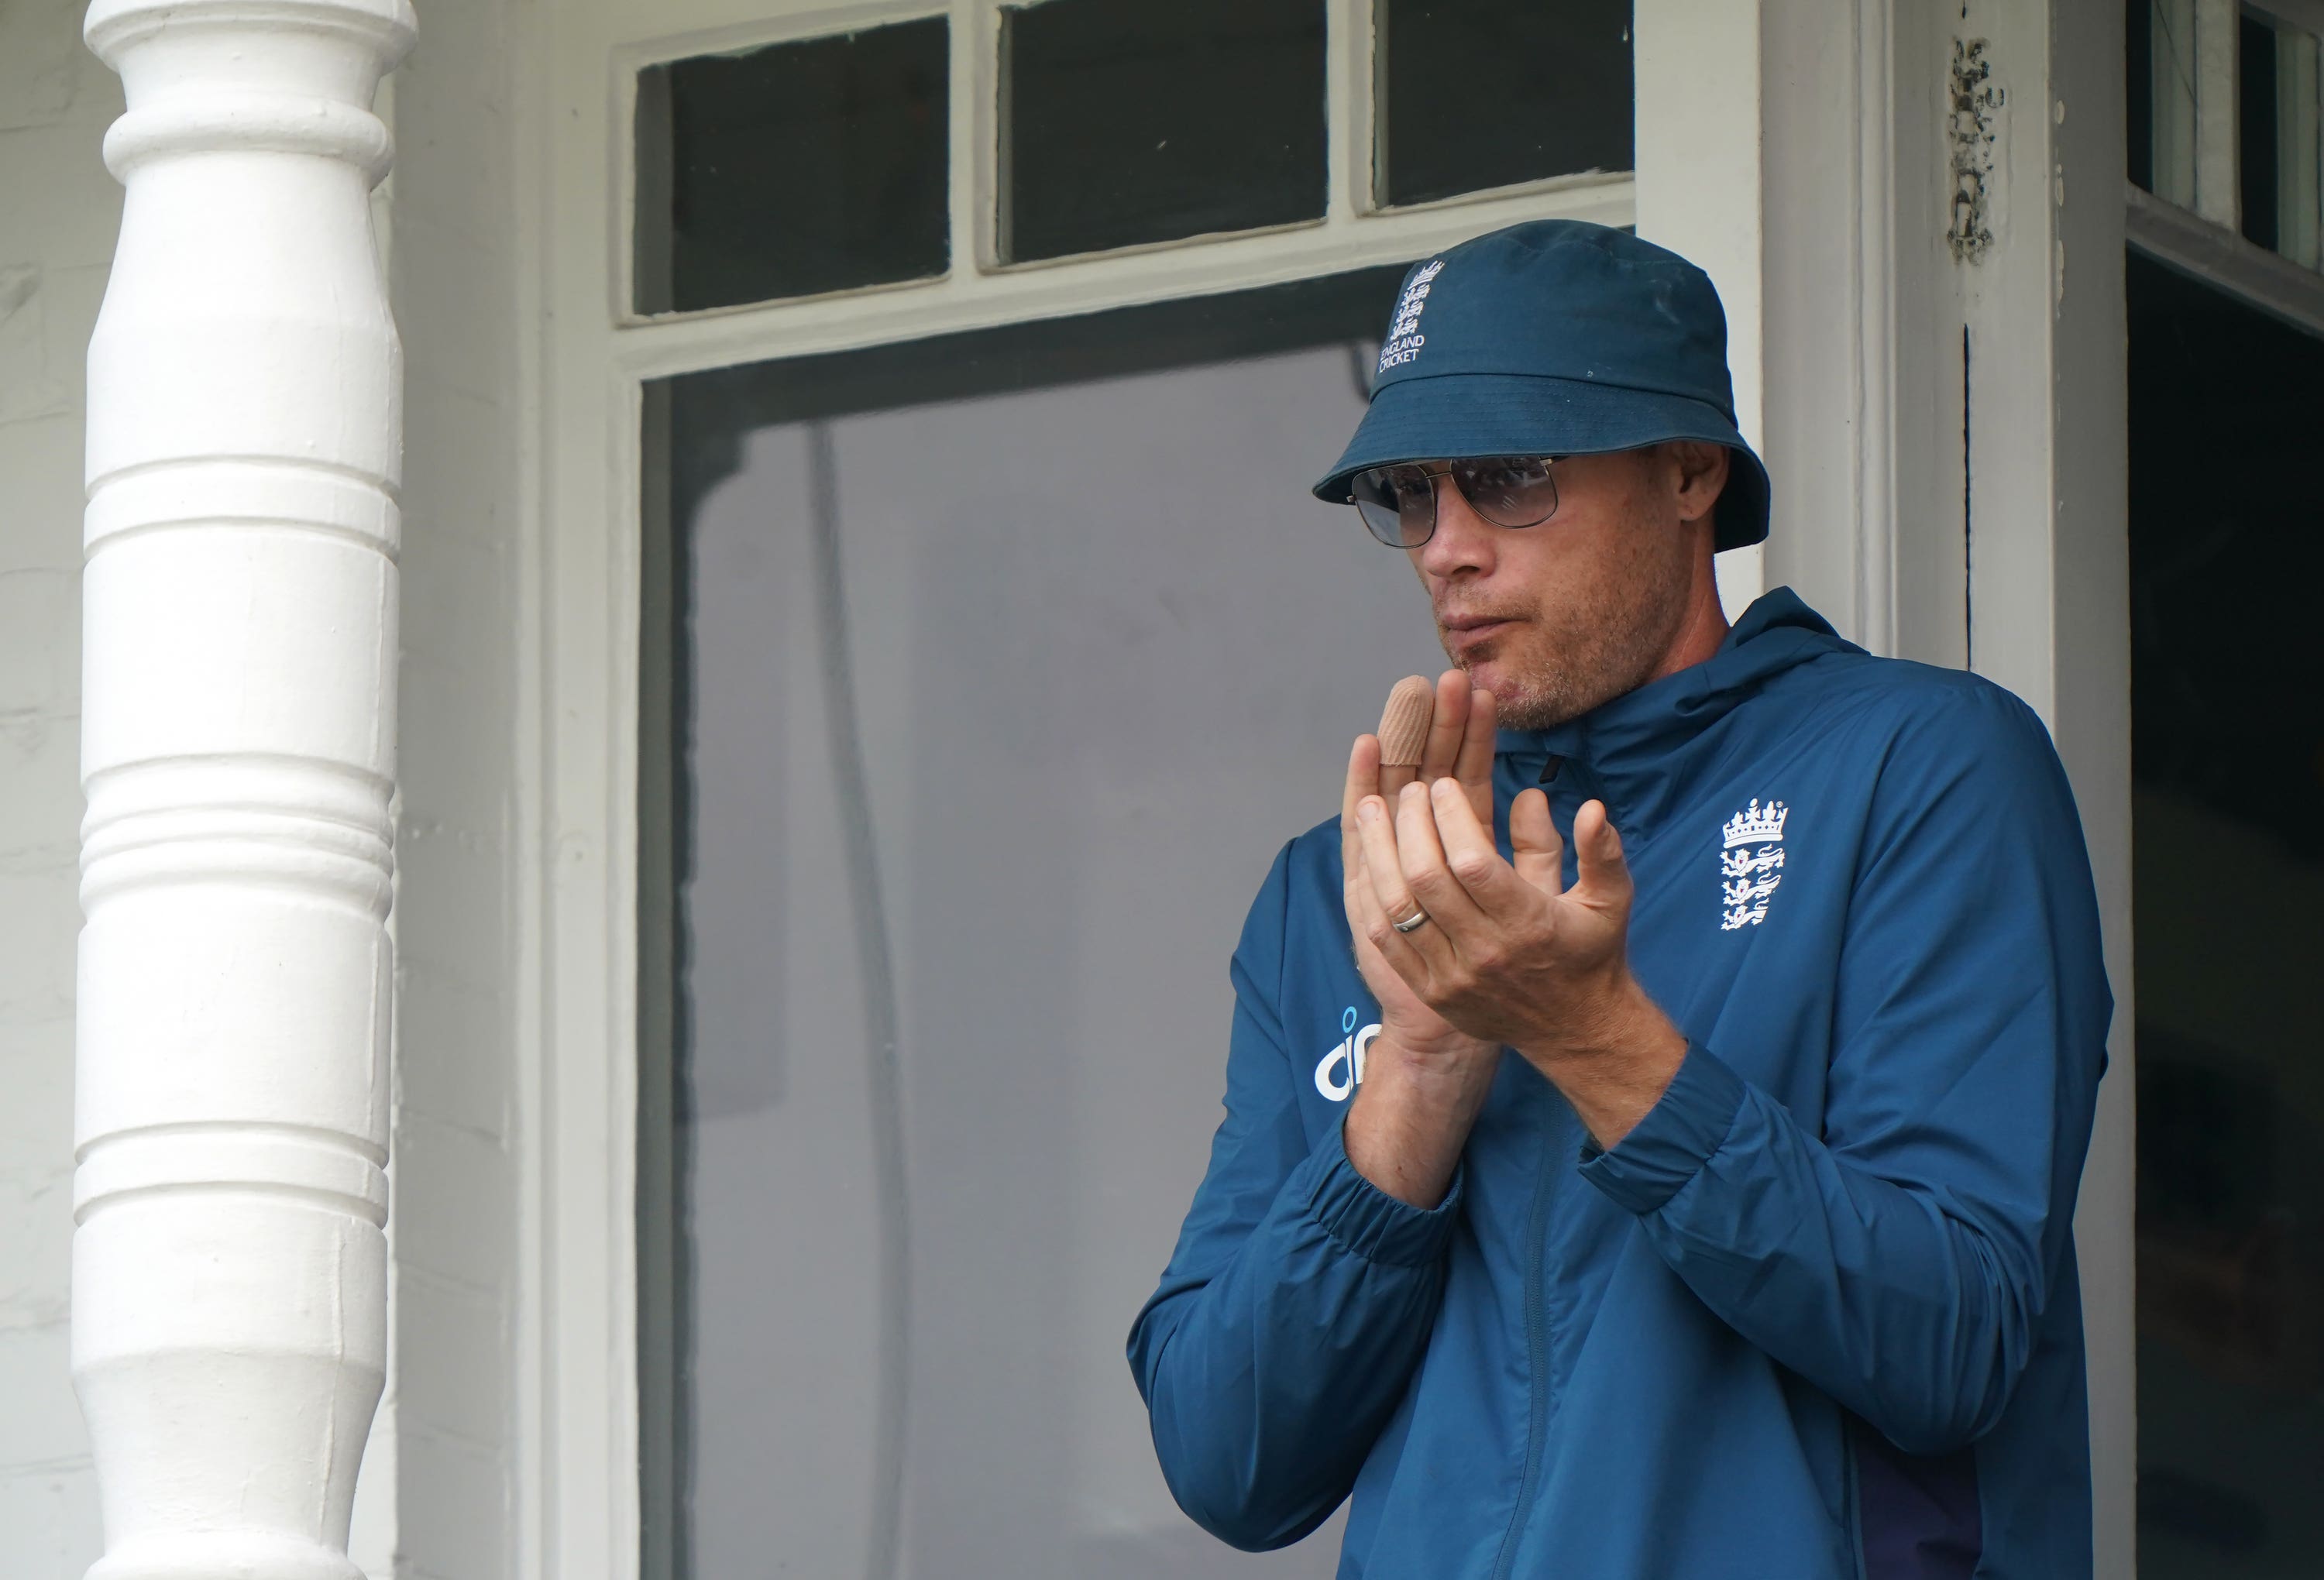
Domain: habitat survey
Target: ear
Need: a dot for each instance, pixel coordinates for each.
(1701, 476)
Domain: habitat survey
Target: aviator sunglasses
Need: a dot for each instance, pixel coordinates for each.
(1398, 504)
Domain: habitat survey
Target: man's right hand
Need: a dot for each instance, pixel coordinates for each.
(1424, 1078)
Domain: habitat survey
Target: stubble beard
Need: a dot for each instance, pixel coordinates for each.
(1596, 644)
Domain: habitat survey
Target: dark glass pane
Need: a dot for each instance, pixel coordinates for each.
(1486, 93)
(2138, 90)
(794, 168)
(955, 786)
(1129, 121)
(2256, 109)
(2228, 884)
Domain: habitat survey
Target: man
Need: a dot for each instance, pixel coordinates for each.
(1696, 1200)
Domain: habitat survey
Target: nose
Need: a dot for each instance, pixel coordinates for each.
(1463, 541)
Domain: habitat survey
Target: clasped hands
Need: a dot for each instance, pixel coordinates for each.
(1509, 955)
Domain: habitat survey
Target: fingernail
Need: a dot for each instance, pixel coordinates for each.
(1368, 810)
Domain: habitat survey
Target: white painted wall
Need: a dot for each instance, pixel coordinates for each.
(459, 223)
(59, 212)
(1701, 170)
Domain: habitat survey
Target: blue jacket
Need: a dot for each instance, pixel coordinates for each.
(1817, 1315)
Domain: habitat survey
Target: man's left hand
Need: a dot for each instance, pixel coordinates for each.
(1511, 955)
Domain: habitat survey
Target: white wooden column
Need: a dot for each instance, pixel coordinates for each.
(239, 648)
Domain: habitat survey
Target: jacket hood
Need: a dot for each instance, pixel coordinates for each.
(1635, 752)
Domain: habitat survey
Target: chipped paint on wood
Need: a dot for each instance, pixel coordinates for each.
(1972, 129)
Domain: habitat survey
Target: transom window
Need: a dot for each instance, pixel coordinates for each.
(802, 166)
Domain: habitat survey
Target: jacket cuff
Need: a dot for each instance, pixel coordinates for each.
(1365, 1221)
(1670, 1145)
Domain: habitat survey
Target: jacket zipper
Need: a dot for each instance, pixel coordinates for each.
(1536, 1302)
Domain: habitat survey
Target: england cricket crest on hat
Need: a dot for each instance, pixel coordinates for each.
(1750, 863)
(1403, 337)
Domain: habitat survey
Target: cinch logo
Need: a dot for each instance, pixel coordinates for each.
(1751, 864)
(1343, 1069)
(1404, 339)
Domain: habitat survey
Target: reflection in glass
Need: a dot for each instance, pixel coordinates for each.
(2228, 800)
(2298, 131)
(1132, 121)
(2159, 57)
(985, 677)
(797, 168)
(2277, 151)
(2278, 131)
(1475, 94)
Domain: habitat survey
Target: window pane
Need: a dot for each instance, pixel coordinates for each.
(2277, 138)
(2256, 108)
(2226, 731)
(1131, 121)
(794, 168)
(2138, 91)
(1486, 93)
(2171, 99)
(994, 670)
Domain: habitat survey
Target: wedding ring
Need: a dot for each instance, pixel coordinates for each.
(1411, 922)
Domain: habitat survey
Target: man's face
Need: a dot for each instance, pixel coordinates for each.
(1554, 620)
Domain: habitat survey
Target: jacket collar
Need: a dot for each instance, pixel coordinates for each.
(1631, 751)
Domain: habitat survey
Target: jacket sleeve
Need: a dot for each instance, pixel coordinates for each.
(1901, 1258)
(1295, 1308)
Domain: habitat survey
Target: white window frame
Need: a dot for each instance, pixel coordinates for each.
(1838, 267)
(979, 290)
(575, 1352)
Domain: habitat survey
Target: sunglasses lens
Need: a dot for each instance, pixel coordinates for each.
(1397, 503)
(1508, 490)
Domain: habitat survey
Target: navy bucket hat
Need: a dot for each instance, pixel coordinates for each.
(1556, 337)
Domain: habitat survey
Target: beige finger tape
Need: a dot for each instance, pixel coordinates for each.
(1404, 722)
